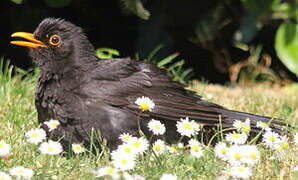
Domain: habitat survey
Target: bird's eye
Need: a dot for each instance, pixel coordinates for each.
(55, 40)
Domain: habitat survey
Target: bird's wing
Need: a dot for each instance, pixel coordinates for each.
(119, 82)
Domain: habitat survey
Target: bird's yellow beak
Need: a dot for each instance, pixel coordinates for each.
(34, 43)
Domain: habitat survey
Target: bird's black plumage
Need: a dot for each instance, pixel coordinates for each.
(85, 93)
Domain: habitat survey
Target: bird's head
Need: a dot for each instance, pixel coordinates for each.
(56, 43)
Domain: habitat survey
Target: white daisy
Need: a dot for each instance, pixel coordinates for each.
(171, 149)
(77, 148)
(186, 127)
(281, 147)
(296, 138)
(156, 127)
(35, 136)
(196, 148)
(139, 144)
(235, 155)
(52, 124)
(21, 172)
(107, 171)
(271, 139)
(295, 168)
(124, 163)
(4, 148)
(125, 137)
(263, 125)
(168, 176)
(159, 147)
(242, 126)
(279, 151)
(221, 150)
(145, 103)
(125, 150)
(51, 148)
(284, 142)
(251, 154)
(237, 124)
(241, 172)
(236, 138)
(4, 176)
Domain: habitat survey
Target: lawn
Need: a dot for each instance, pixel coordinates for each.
(18, 115)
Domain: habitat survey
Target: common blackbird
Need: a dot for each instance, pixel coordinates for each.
(86, 93)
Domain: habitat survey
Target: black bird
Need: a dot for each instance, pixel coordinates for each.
(85, 93)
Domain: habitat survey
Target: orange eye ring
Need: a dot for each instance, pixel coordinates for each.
(55, 40)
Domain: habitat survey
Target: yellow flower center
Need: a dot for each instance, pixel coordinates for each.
(127, 150)
(223, 151)
(126, 138)
(157, 127)
(272, 139)
(285, 145)
(50, 149)
(157, 147)
(279, 148)
(110, 171)
(136, 144)
(246, 129)
(172, 150)
(241, 170)
(195, 148)
(54, 124)
(144, 107)
(20, 171)
(264, 125)
(187, 126)
(34, 135)
(237, 156)
(123, 161)
(78, 148)
(236, 136)
(1, 146)
(253, 155)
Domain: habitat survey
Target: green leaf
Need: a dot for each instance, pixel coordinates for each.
(137, 8)
(167, 60)
(17, 1)
(57, 3)
(106, 53)
(153, 53)
(286, 45)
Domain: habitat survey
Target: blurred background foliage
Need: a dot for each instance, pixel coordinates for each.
(219, 41)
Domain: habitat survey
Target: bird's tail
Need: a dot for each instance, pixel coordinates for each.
(229, 116)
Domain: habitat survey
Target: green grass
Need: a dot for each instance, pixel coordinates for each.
(18, 115)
